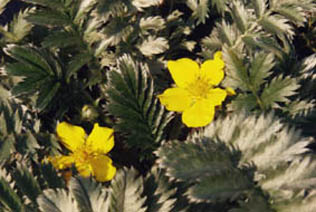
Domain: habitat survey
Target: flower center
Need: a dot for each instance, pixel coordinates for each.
(199, 88)
(83, 154)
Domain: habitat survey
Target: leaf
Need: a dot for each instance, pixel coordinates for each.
(49, 18)
(278, 90)
(141, 4)
(139, 115)
(200, 9)
(260, 68)
(3, 3)
(236, 74)
(55, 5)
(126, 192)
(56, 201)
(61, 39)
(19, 27)
(209, 165)
(259, 6)
(29, 56)
(48, 91)
(27, 183)
(152, 23)
(77, 62)
(240, 16)
(159, 192)
(90, 196)
(220, 5)
(9, 198)
(153, 46)
(277, 25)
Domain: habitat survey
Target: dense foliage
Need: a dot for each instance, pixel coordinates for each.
(105, 61)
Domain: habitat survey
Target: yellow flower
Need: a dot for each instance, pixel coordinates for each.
(195, 94)
(88, 154)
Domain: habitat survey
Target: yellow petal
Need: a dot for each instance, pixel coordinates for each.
(199, 115)
(183, 71)
(213, 70)
(101, 139)
(175, 99)
(84, 168)
(230, 91)
(61, 162)
(218, 55)
(102, 168)
(216, 96)
(71, 136)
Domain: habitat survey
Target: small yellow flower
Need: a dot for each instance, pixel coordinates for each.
(195, 94)
(88, 154)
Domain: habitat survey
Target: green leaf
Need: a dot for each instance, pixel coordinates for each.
(152, 46)
(48, 91)
(236, 74)
(152, 23)
(240, 16)
(3, 3)
(209, 165)
(200, 9)
(126, 192)
(56, 201)
(141, 4)
(55, 5)
(277, 25)
(30, 56)
(159, 192)
(27, 183)
(90, 196)
(76, 63)
(9, 198)
(28, 85)
(260, 68)
(24, 70)
(19, 27)
(278, 90)
(49, 18)
(61, 39)
(259, 6)
(139, 115)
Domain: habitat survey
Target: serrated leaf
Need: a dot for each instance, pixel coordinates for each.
(236, 74)
(278, 90)
(126, 192)
(56, 201)
(3, 3)
(27, 183)
(29, 56)
(61, 39)
(259, 6)
(277, 25)
(152, 46)
(200, 9)
(55, 5)
(159, 192)
(90, 196)
(240, 16)
(9, 198)
(130, 92)
(152, 23)
(206, 164)
(260, 68)
(49, 18)
(141, 4)
(19, 27)
(48, 91)
(76, 63)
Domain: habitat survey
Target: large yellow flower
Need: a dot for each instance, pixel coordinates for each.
(195, 94)
(88, 154)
